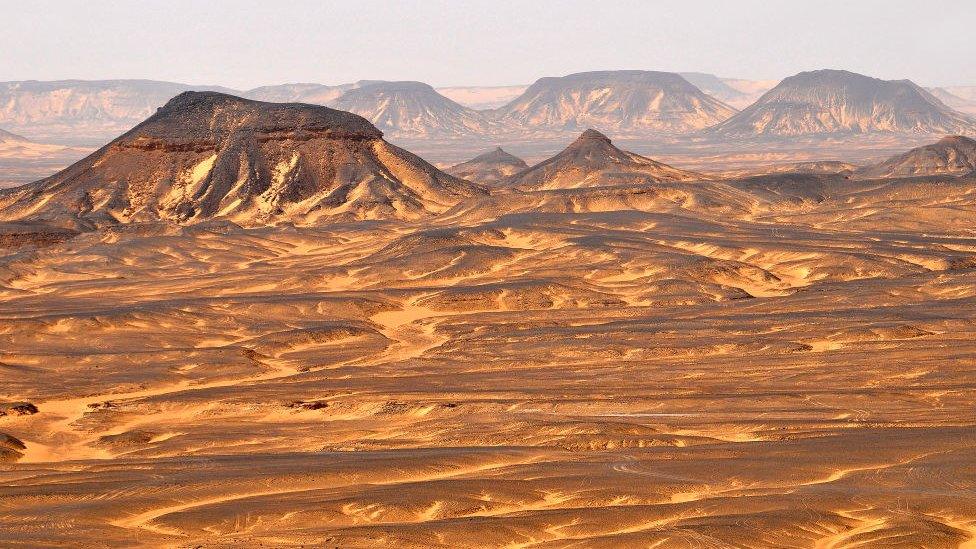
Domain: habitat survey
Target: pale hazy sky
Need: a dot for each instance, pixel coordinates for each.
(246, 43)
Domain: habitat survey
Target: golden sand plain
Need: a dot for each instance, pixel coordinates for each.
(730, 367)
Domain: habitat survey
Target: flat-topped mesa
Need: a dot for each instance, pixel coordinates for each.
(205, 155)
(623, 101)
(497, 154)
(413, 109)
(592, 160)
(826, 102)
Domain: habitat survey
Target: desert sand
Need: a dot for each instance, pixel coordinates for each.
(782, 361)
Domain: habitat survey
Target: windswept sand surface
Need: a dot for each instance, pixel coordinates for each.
(750, 365)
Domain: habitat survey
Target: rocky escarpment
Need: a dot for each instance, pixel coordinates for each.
(489, 168)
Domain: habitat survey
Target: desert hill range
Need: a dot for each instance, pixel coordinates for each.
(679, 118)
(618, 101)
(248, 322)
(256, 162)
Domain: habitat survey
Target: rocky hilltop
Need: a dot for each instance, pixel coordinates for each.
(951, 155)
(621, 101)
(412, 109)
(490, 167)
(205, 155)
(593, 161)
(840, 102)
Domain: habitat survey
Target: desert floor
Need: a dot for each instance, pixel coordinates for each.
(771, 364)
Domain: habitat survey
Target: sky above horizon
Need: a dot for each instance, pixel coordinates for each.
(247, 43)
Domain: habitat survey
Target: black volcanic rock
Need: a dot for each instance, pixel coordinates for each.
(841, 102)
(489, 167)
(622, 101)
(951, 155)
(593, 161)
(412, 109)
(207, 154)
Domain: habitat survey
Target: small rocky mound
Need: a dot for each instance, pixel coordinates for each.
(489, 168)
(624, 101)
(951, 155)
(128, 440)
(593, 161)
(841, 102)
(17, 409)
